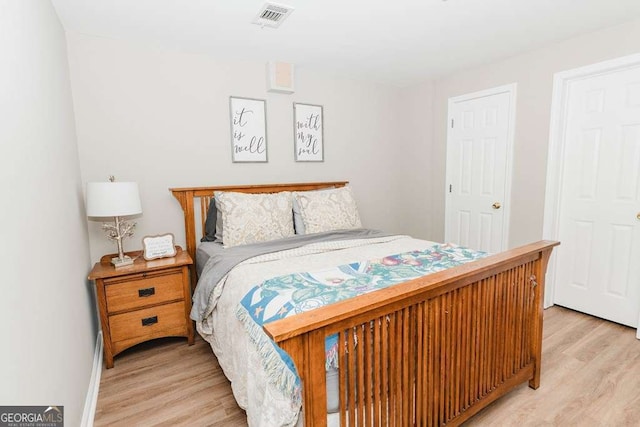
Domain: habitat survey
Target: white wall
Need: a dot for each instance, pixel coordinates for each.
(533, 72)
(47, 323)
(416, 133)
(161, 118)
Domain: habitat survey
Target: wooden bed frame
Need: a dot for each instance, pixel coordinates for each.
(432, 351)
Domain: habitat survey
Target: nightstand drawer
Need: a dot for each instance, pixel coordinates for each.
(143, 290)
(149, 322)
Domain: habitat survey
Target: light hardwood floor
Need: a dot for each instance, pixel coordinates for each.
(590, 377)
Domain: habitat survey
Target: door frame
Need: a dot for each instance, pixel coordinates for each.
(512, 90)
(555, 157)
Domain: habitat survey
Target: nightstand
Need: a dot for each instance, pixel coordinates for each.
(147, 300)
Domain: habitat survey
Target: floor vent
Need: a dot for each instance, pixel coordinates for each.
(272, 15)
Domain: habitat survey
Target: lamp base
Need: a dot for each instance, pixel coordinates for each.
(122, 262)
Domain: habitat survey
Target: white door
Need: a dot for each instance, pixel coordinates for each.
(478, 169)
(598, 264)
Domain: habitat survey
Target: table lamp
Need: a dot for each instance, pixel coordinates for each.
(115, 199)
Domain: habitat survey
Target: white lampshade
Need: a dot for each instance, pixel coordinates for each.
(113, 199)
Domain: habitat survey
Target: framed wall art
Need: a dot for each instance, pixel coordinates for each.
(308, 132)
(248, 129)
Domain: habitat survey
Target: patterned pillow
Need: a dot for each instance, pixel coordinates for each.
(328, 210)
(298, 223)
(252, 218)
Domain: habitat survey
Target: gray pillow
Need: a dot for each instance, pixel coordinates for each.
(210, 223)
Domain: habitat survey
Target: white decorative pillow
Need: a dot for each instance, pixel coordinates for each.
(328, 210)
(252, 218)
(298, 223)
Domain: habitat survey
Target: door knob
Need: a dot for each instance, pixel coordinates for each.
(496, 205)
(638, 216)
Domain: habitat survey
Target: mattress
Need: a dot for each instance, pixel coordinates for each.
(205, 251)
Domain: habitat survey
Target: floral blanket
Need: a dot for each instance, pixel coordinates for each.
(291, 294)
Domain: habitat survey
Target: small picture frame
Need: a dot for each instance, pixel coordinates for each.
(308, 132)
(160, 246)
(248, 118)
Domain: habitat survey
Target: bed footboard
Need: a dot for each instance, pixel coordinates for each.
(432, 351)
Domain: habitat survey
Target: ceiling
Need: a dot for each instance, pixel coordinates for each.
(399, 42)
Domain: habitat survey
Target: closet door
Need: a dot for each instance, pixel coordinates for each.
(478, 169)
(598, 265)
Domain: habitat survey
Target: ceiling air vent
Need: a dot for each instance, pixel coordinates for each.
(272, 15)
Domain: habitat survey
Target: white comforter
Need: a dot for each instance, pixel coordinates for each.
(264, 404)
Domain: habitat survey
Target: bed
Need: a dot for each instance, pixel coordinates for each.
(433, 350)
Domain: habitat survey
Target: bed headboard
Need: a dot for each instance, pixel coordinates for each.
(188, 199)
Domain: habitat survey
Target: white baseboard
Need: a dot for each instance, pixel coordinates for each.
(91, 400)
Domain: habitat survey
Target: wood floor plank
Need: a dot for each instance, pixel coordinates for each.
(590, 377)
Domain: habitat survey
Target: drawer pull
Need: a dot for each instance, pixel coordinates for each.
(149, 321)
(146, 292)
